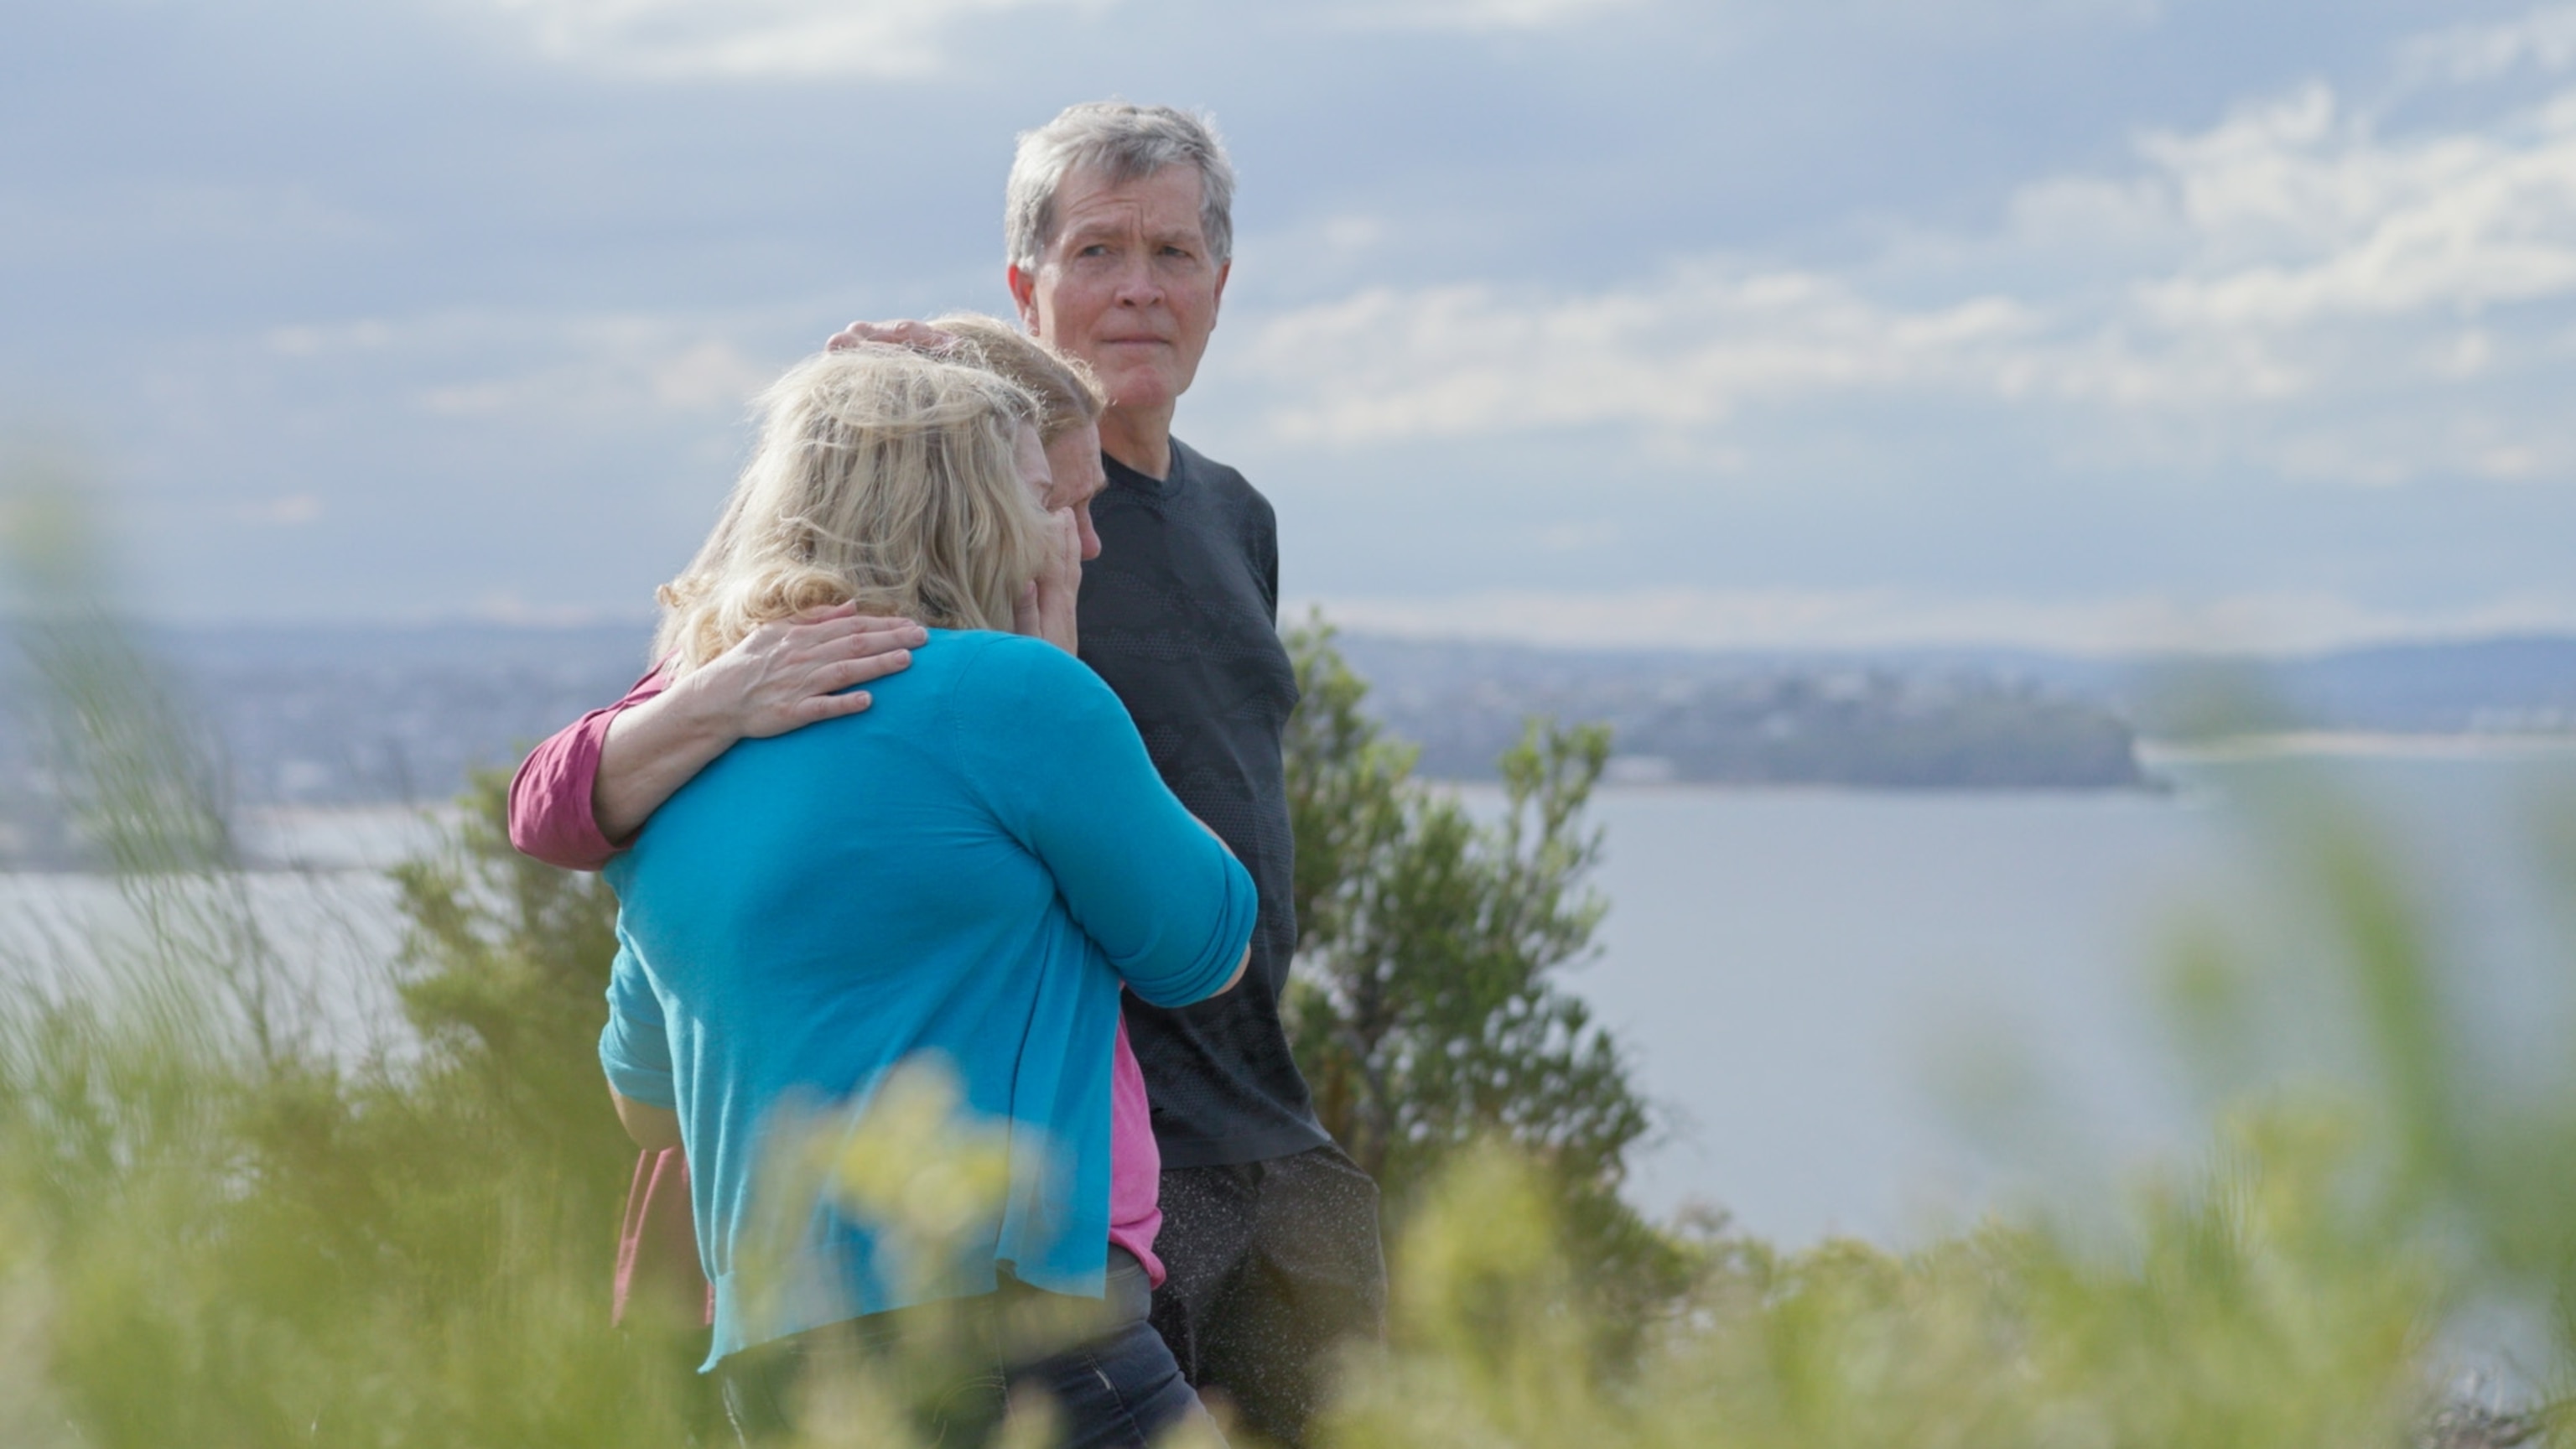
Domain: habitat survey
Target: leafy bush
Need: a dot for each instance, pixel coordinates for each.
(1426, 1012)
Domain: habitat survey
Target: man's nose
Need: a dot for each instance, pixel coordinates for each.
(1137, 286)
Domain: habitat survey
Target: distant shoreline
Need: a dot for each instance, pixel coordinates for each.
(2152, 755)
(2356, 744)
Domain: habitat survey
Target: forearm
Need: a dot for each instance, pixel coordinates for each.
(1155, 887)
(782, 676)
(551, 816)
(653, 1128)
(651, 750)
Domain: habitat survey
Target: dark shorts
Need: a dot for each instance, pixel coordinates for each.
(1119, 1389)
(1272, 1267)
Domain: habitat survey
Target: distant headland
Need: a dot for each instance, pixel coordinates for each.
(361, 715)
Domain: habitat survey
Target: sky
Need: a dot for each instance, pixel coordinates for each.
(2074, 324)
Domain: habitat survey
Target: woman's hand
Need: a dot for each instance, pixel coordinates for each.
(1045, 608)
(790, 673)
(782, 676)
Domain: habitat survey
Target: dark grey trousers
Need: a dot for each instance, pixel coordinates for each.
(1272, 1267)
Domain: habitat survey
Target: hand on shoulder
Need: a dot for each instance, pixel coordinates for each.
(794, 672)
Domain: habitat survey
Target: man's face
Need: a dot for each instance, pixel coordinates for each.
(1073, 460)
(1126, 283)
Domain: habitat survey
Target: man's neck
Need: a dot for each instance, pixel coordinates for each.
(1140, 439)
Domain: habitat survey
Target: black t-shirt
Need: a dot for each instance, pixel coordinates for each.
(1180, 613)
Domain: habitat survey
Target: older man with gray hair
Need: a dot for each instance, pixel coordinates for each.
(1120, 234)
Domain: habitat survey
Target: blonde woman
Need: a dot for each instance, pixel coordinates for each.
(603, 776)
(972, 869)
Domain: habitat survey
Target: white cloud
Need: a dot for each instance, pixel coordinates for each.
(315, 340)
(2297, 217)
(2544, 39)
(509, 606)
(622, 367)
(1683, 350)
(740, 39)
(289, 510)
(747, 39)
(616, 367)
(1472, 15)
(2291, 282)
(1689, 618)
(116, 214)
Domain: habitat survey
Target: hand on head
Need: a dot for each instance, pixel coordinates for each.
(920, 336)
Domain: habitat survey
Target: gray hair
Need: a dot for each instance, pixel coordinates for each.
(1124, 143)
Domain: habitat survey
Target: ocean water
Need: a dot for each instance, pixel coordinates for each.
(1857, 1012)
(1880, 1014)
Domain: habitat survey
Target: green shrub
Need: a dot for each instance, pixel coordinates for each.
(1426, 1012)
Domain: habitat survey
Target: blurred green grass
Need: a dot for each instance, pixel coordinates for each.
(215, 1231)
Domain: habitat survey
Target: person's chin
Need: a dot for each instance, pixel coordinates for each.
(1141, 386)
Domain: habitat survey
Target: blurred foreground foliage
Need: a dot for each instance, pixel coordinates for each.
(217, 1229)
(2304, 1285)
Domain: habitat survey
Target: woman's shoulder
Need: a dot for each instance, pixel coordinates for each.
(1018, 709)
(991, 649)
(986, 661)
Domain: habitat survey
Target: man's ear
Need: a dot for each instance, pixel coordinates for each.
(1024, 295)
(1222, 273)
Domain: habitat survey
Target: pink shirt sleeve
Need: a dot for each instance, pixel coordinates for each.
(551, 817)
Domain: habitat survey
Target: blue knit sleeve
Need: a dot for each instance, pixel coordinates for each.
(1060, 763)
(635, 1046)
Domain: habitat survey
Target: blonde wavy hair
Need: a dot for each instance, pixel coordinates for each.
(882, 477)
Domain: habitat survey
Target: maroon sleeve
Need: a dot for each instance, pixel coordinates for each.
(551, 817)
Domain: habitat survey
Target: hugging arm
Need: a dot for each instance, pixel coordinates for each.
(583, 793)
(551, 818)
(780, 677)
(635, 1052)
(1167, 902)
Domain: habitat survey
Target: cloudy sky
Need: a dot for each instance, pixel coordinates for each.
(2083, 323)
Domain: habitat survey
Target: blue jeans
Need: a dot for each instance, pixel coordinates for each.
(1122, 1388)
(1119, 1389)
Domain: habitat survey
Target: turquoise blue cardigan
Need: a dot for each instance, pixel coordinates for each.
(966, 871)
